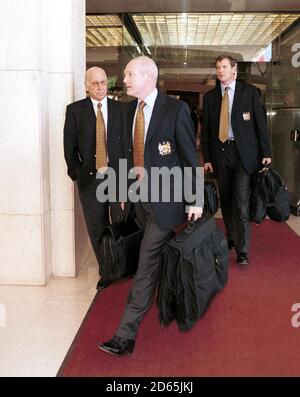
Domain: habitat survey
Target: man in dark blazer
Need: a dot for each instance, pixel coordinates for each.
(80, 152)
(233, 157)
(168, 141)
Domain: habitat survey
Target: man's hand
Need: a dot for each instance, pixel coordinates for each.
(266, 160)
(195, 212)
(208, 167)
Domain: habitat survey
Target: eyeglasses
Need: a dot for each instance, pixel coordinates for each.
(102, 83)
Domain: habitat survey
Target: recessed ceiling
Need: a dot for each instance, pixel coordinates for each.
(212, 29)
(106, 31)
(195, 29)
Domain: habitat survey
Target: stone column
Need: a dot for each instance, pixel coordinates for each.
(42, 64)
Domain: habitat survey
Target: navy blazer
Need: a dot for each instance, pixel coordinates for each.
(171, 124)
(248, 122)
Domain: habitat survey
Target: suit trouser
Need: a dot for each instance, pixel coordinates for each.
(235, 189)
(96, 214)
(141, 296)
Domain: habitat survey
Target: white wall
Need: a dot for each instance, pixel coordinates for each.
(42, 64)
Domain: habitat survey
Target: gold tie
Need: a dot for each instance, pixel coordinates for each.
(101, 152)
(224, 117)
(138, 141)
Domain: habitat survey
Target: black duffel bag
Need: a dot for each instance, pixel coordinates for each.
(194, 268)
(269, 197)
(119, 248)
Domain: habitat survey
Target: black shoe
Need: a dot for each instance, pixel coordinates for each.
(102, 284)
(242, 259)
(230, 244)
(118, 346)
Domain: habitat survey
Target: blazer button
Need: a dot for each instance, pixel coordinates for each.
(129, 150)
(91, 173)
(95, 156)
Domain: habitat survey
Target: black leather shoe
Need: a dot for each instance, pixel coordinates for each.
(230, 244)
(102, 284)
(118, 346)
(242, 259)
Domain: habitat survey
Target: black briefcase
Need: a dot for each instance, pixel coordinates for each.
(119, 248)
(210, 197)
(210, 194)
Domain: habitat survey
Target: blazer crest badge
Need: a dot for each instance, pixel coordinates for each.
(164, 148)
(246, 116)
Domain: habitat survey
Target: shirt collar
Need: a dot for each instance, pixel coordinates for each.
(95, 102)
(150, 100)
(231, 86)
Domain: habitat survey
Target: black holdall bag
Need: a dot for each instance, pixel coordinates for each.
(278, 205)
(269, 197)
(119, 248)
(194, 268)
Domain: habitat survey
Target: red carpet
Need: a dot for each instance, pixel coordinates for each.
(246, 331)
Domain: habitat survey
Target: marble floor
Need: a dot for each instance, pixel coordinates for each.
(38, 324)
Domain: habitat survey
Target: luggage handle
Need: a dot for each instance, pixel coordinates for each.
(191, 224)
(209, 176)
(131, 216)
(266, 166)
